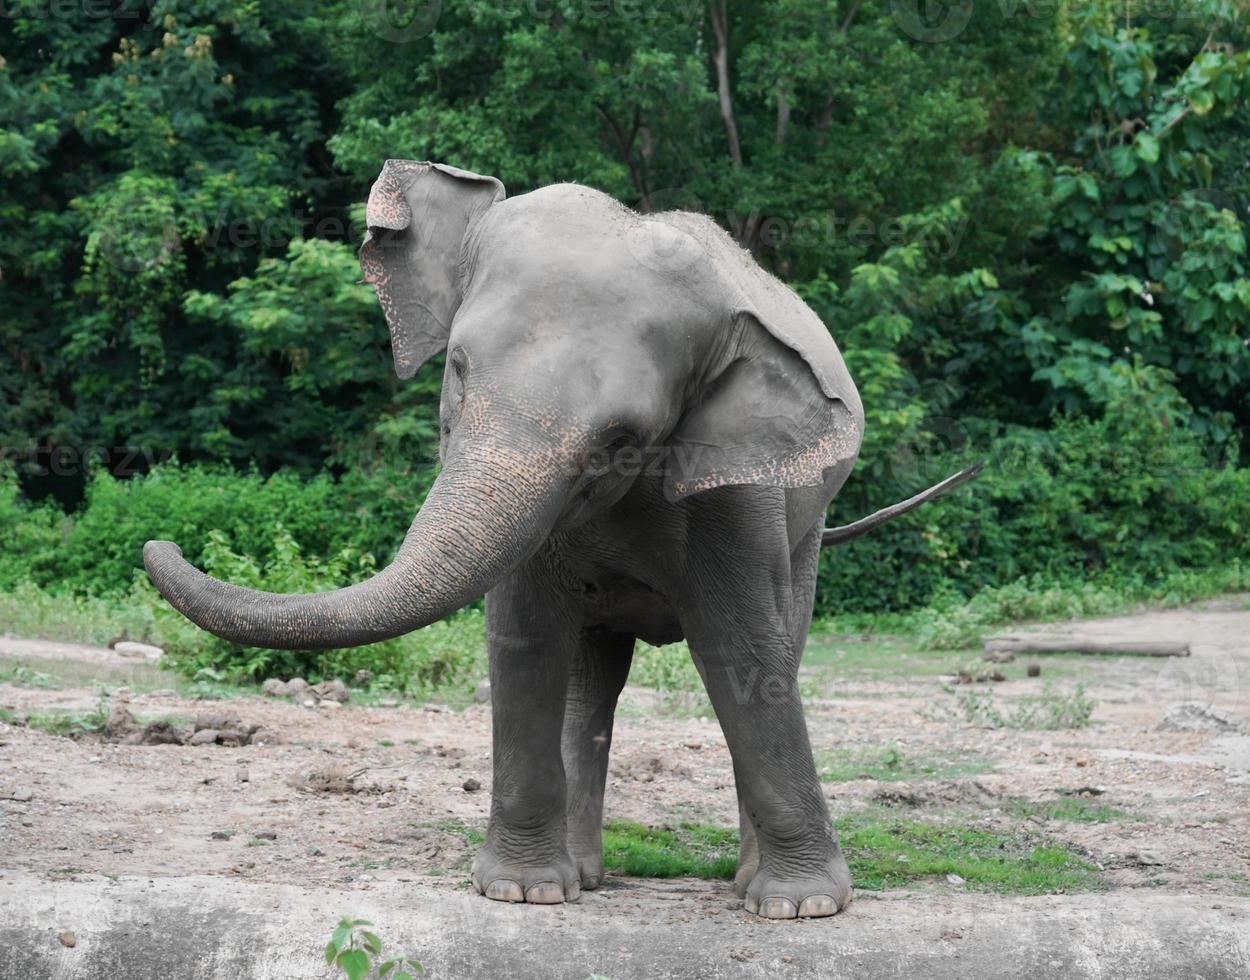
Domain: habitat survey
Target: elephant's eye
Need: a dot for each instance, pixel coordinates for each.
(455, 380)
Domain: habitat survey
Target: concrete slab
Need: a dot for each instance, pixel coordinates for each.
(213, 928)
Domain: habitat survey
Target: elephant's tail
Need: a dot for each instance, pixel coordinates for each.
(849, 532)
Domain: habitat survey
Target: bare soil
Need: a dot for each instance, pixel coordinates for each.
(362, 795)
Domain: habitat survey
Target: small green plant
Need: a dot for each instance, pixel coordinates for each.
(1072, 810)
(358, 953)
(70, 725)
(1049, 711)
(844, 765)
(24, 676)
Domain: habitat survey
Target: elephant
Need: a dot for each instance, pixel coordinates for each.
(641, 433)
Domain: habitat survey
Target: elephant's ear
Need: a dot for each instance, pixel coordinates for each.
(768, 418)
(418, 215)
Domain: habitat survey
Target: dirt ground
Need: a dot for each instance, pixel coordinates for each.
(269, 813)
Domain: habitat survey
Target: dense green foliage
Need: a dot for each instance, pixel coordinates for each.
(1027, 232)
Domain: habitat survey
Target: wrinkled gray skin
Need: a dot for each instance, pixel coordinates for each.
(641, 434)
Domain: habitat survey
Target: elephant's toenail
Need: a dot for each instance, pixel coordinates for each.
(752, 904)
(777, 908)
(815, 906)
(545, 893)
(505, 890)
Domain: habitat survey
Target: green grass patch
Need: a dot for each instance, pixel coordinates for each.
(883, 852)
(888, 852)
(890, 764)
(1071, 810)
(689, 850)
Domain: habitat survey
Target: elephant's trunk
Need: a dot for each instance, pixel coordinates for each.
(475, 526)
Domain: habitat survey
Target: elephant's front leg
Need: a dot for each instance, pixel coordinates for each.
(531, 636)
(597, 674)
(800, 870)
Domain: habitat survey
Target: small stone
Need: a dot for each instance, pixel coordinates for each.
(471, 785)
(310, 703)
(264, 736)
(205, 736)
(221, 835)
(233, 737)
(266, 835)
(331, 690)
(68, 939)
(296, 686)
(274, 688)
(1034, 670)
(314, 852)
(436, 708)
(162, 733)
(120, 721)
(954, 879)
(481, 694)
(243, 775)
(219, 720)
(138, 651)
(21, 795)
(1195, 716)
(28, 823)
(334, 705)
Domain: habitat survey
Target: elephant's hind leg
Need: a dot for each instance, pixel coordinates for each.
(596, 675)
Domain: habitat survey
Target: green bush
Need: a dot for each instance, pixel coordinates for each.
(1131, 496)
(445, 656)
(99, 550)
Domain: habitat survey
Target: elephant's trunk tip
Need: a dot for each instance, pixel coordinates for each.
(157, 557)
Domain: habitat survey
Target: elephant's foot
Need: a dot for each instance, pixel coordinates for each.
(743, 877)
(825, 892)
(540, 882)
(588, 856)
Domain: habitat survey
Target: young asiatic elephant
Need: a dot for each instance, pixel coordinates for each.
(641, 433)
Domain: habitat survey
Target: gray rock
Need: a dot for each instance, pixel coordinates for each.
(162, 733)
(120, 722)
(232, 736)
(482, 694)
(22, 794)
(1194, 716)
(264, 736)
(219, 720)
(296, 686)
(138, 651)
(274, 688)
(331, 690)
(205, 736)
(471, 785)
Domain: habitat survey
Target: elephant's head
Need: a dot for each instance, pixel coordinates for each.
(586, 345)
